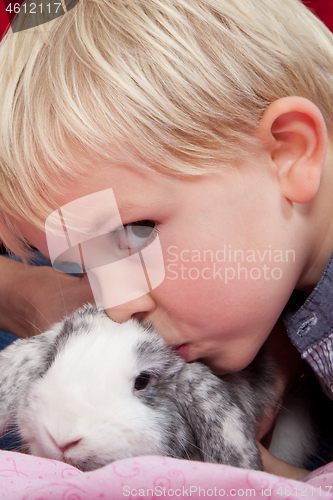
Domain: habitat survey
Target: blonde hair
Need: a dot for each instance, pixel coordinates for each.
(174, 85)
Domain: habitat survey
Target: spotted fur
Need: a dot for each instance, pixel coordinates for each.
(71, 393)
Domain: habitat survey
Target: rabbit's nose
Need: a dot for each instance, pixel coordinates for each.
(69, 445)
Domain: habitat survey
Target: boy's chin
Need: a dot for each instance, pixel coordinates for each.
(220, 368)
(222, 364)
(219, 361)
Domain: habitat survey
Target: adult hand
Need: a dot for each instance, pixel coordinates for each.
(279, 467)
(288, 366)
(32, 298)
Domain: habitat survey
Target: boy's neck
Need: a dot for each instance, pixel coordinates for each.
(318, 217)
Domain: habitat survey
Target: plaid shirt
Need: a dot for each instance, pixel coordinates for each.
(310, 329)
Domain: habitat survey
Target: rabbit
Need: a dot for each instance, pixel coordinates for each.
(91, 391)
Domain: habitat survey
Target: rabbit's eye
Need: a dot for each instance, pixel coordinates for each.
(141, 381)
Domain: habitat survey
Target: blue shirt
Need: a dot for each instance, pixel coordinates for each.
(310, 329)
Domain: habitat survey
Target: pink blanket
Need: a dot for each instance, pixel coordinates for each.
(23, 477)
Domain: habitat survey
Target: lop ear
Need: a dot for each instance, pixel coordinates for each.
(294, 134)
(21, 363)
(222, 431)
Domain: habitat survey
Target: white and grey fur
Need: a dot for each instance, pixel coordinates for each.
(71, 393)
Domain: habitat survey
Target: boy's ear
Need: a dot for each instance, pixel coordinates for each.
(293, 132)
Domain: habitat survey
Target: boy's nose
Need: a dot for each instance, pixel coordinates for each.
(139, 307)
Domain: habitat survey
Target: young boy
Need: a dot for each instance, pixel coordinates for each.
(210, 123)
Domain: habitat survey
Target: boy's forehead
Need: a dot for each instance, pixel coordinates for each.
(130, 186)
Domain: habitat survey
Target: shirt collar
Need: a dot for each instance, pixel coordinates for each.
(314, 319)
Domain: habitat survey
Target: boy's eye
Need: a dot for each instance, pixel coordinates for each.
(107, 248)
(134, 235)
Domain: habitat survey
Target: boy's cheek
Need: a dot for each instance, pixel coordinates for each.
(213, 287)
(225, 324)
